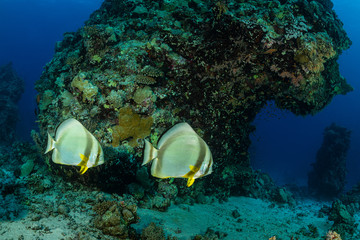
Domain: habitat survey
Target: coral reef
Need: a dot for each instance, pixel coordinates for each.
(27, 167)
(327, 179)
(131, 126)
(309, 231)
(114, 218)
(344, 221)
(11, 88)
(17, 161)
(11, 206)
(332, 235)
(87, 89)
(258, 185)
(153, 232)
(352, 198)
(213, 65)
(343, 211)
(210, 234)
(38, 198)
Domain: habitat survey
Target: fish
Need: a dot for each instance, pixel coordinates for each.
(75, 145)
(181, 153)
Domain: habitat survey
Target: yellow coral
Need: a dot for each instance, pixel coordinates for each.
(332, 235)
(314, 52)
(131, 126)
(112, 83)
(88, 90)
(96, 58)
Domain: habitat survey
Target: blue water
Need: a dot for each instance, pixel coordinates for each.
(283, 145)
(286, 145)
(29, 31)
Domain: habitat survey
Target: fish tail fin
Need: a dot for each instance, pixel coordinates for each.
(50, 144)
(150, 152)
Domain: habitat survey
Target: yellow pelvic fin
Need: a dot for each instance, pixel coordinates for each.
(190, 181)
(83, 169)
(190, 175)
(83, 163)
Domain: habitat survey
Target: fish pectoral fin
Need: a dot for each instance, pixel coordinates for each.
(83, 169)
(192, 172)
(190, 182)
(194, 169)
(188, 175)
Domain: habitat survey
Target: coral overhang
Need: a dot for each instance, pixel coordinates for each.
(213, 65)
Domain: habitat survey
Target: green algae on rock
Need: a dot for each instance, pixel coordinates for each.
(211, 64)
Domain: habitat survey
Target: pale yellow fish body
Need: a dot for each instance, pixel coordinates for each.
(75, 145)
(181, 153)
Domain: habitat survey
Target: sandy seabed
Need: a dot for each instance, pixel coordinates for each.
(238, 218)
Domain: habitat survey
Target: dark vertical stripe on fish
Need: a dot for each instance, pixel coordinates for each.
(98, 155)
(89, 144)
(151, 152)
(202, 153)
(210, 163)
(200, 158)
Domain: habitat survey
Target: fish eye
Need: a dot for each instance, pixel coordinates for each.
(140, 141)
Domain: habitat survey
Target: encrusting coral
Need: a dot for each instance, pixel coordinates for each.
(154, 232)
(87, 89)
(114, 218)
(332, 235)
(131, 127)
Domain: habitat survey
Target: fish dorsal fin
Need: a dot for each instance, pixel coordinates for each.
(64, 127)
(50, 144)
(149, 153)
(179, 128)
(83, 163)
